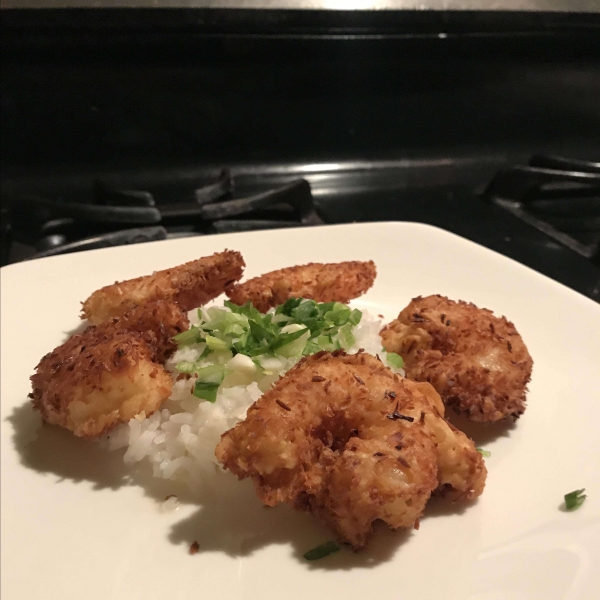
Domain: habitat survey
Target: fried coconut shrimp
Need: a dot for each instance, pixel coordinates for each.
(477, 362)
(111, 372)
(190, 285)
(343, 437)
(333, 282)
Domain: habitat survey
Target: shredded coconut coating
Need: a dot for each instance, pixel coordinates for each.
(189, 285)
(111, 372)
(345, 438)
(477, 362)
(332, 282)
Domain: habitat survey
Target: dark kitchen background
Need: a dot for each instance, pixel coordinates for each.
(120, 125)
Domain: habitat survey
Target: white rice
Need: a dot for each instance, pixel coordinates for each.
(180, 440)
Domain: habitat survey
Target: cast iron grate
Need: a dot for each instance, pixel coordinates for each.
(558, 196)
(114, 216)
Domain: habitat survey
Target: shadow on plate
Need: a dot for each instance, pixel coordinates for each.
(230, 518)
(233, 521)
(481, 433)
(53, 450)
(438, 506)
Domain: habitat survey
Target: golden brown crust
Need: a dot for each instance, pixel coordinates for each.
(109, 373)
(157, 321)
(332, 282)
(476, 361)
(189, 285)
(345, 438)
(461, 469)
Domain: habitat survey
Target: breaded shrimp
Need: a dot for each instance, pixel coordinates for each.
(461, 469)
(343, 437)
(190, 285)
(157, 321)
(477, 362)
(110, 373)
(333, 282)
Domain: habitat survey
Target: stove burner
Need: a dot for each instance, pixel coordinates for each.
(557, 196)
(116, 216)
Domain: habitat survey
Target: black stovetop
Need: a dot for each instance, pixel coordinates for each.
(387, 116)
(447, 194)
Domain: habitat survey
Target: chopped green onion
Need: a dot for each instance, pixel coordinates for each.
(211, 374)
(305, 310)
(205, 353)
(247, 310)
(346, 337)
(206, 391)
(191, 336)
(289, 305)
(339, 315)
(260, 332)
(355, 317)
(287, 338)
(215, 343)
(311, 348)
(575, 499)
(298, 327)
(321, 551)
(484, 453)
(395, 360)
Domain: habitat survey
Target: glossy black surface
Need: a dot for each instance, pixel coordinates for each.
(389, 117)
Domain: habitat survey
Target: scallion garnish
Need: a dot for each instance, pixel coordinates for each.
(345, 335)
(205, 353)
(211, 374)
(287, 338)
(214, 343)
(321, 551)
(191, 336)
(574, 500)
(395, 360)
(296, 328)
(206, 391)
(484, 453)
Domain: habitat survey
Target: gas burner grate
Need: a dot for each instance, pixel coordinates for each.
(558, 196)
(115, 215)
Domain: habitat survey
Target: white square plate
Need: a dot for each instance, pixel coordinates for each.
(77, 524)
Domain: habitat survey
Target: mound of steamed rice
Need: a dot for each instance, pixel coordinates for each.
(180, 440)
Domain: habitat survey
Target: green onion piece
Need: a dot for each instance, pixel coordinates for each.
(279, 318)
(355, 317)
(211, 374)
(261, 333)
(346, 337)
(575, 499)
(191, 336)
(325, 342)
(339, 315)
(247, 310)
(321, 551)
(234, 329)
(185, 366)
(305, 310)
(395, 360)
(215, 343)
(311, 348)
(287, 338)
(289, 305)
(484, 453)
(206, 391)
(205, 353)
